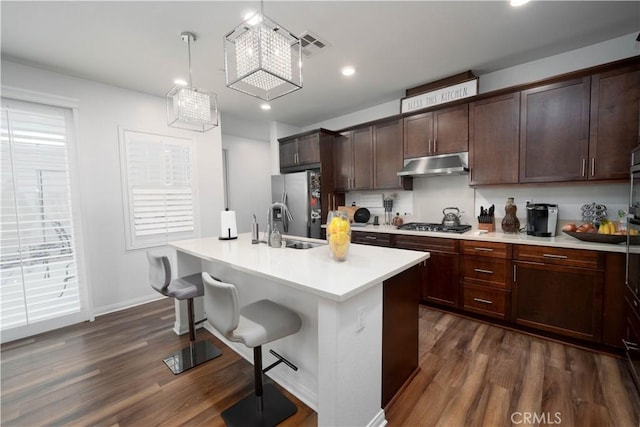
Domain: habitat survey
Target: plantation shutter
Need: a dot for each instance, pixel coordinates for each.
(160, 188)
(38, 263)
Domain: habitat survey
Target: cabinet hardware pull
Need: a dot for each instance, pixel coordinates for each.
(484, 301)
(554, 256)
(480, 270)
(628, 345)
(593, 166)
(483, 249)
(514, 273)
(429, 147)
(584, 165)
(435, 141)
(371, 237)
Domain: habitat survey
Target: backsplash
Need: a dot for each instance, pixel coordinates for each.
(431, 195)
(569, 198)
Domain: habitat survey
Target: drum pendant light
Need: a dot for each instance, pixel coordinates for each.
(262, 58)
(189, 107)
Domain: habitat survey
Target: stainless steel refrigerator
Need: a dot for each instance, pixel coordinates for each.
(300, 191)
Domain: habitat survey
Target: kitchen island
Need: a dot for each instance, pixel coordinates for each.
(345, 334)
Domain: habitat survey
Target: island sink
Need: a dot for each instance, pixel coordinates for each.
(298, 244)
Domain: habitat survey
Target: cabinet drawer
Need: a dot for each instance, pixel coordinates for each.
(484, 300)
(486, 271)
(366, 238)
(488, 249)
(420, 243)
(561, 256)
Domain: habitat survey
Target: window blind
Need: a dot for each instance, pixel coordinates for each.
(159, 187)
(38, 264)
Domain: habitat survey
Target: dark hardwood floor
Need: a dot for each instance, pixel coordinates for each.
(110, 373)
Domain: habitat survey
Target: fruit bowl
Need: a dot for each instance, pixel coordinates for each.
(602, 238)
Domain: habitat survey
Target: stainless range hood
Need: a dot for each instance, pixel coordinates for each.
(441, 165)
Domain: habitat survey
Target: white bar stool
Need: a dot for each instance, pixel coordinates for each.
(183, 288)
(253, 325)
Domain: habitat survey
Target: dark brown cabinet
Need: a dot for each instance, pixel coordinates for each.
(343, 158)
(494, 127)
(554, 131)
(615, 111)
(375, 239)
(299, 151)
(437, 132)
(369, 158)
(484, 278)
(440, 271)
(388, 160)
(558, 290)
(354, 160)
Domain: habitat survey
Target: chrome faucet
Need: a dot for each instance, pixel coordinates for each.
(284, 217)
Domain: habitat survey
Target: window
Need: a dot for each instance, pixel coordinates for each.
(159, 188)
(39, 268)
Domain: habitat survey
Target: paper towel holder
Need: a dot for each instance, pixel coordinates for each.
(228, 227)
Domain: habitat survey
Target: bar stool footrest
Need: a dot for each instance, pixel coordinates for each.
(189, 357)
(246, 413)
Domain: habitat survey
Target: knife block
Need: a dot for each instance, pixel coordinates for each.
(489, 227)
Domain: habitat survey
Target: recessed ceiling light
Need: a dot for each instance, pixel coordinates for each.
(179, 82)
(265, 106)
(518, 2)
(252, 17)
(348, 71)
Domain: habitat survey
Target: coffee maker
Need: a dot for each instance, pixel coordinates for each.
(542, 219)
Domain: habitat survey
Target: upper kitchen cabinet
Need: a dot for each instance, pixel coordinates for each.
(554, 131)
(388, 158)
(369, 158)
(615, 111)
(437, 132)
(494, 127)
(303, 151)
(354, 160)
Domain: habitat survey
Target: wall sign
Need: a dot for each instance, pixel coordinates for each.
(440, 96)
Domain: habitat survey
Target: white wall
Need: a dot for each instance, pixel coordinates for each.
(118, 278)
(432, 194)
(249, 174)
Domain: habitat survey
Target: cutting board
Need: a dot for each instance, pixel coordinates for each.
(350, 210)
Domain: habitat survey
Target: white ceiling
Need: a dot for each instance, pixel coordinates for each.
(394, 44)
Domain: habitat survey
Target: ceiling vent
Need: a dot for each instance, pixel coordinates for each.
(312, 44)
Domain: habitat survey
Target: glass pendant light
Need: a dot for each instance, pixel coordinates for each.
(189, 107)
(262, 58)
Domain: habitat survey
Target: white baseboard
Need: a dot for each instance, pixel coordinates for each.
(126, 304)
(379, 420)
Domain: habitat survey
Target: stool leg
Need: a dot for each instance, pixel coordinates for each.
(197, 352)
(192, 319)
(257, 374)
(273, 406)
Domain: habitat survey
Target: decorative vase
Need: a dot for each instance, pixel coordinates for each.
(510, 222)
(338, 235)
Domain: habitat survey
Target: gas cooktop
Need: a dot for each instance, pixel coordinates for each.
(428, 226)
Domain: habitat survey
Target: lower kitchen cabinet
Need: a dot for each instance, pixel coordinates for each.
(440, 272)
(563, 300)
(485, 279)
(375, 239)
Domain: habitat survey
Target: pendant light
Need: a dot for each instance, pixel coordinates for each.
(189, 107)
(262, 58)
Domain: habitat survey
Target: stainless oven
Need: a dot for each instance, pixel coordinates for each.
(632, 275)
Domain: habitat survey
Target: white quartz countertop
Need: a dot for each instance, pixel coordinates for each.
(560, 241)
(309, 270)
